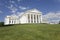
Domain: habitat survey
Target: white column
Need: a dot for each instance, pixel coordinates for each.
(8, 20)
(33, 18)
(11, 21)
(30, 18)
(39, 18)
(15, 21)
(36, 18)
(27, 17)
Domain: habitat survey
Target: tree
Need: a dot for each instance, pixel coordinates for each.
(59, 22)
(1, 24)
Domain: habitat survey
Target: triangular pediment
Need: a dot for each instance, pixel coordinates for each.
(34, 10)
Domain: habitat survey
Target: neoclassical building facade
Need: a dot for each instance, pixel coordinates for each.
(29, 16)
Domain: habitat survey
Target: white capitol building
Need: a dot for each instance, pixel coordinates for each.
(29, 16)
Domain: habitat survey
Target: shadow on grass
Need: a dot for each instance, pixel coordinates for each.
(2, 24)
(6, 25)
(20, 24)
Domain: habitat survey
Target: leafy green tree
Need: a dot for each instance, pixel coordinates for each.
(59, 22)
(1, 24)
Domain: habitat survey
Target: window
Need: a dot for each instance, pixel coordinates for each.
(9, 22)
(37, 19)
(12, 22)
(31, 18)
(28, 18)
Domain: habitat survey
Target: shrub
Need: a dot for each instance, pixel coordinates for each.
(59, 22)
(1, 24)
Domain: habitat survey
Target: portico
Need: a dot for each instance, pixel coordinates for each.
(34, 18)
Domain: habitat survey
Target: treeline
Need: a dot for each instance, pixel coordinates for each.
(1, 24)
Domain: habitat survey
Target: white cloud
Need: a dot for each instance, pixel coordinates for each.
(12, 1)
(52, 16)
(1, 12)
(56, 0)
(18, 0)
(12, 8)
(23, 8)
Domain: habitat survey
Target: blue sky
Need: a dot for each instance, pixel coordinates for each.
(8, 7)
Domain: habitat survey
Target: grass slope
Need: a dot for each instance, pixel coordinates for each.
(30, 32)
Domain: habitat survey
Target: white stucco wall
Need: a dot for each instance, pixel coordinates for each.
(6, 21)
(23, 19)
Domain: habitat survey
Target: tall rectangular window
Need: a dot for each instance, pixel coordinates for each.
(31, 18)
(28, 18)
(9, 21)
(37, 19)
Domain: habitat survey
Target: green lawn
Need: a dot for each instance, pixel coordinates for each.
(30, 32)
